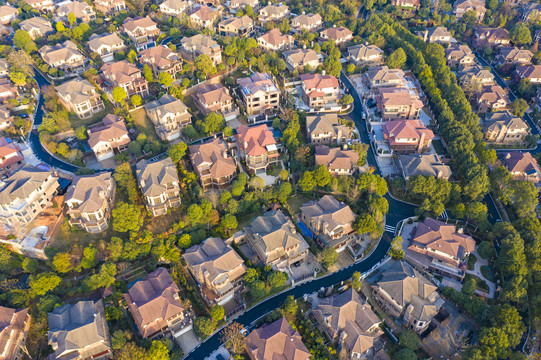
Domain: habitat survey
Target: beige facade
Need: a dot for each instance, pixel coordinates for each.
(169, 115)
(159, 184)
(259, 93)
(80, 97)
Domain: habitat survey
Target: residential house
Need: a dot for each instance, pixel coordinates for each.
(492, 98)
(275, 240)
(25, 194)
(14, 327)
(161, 59)
(395, 103)
(214, 166)
(80, 96)
(365, 55)
(503, 128)
(274, 40)
(106, 45)
(405, 136)
(8, 91)
(169, 115)
(438, 35)
(204, 17)
(463, 6)
(458, 54)
(8, 14)
(273, 12)
(471, 77)
(236, 26)
(259, 93)
(175, 7)
(349, 320)
(4, 68)
(36, 27)
(492, 37)
(307, 22)
(438, 247)
(513, 56)
(217, 268)
(11, 157)
(301, 58)
(276, 340)
(340, 35)
(423, 164)
(64, 56)
(234, 5)
(79, 331)
(159, 184)
(127, 76)
(215, 98)
(82, 11)
(143, 31)
(257, 146)
(404, 293)
(522, 165)
(110, 6)
(320, 91)
(156, 308)
(41, 5)
(6, 118)
(338, 161)
(331, 221)
(192, 47)
(531, 12)
(326, 129)
(531, 72)
(408, 4)
(90, 199)
(108, 139)
(382, 76)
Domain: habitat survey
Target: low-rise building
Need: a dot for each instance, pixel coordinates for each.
(331, 221)
(214, 166)
(79, 331)
(169, 115)
(492, 98)
(8, 91)
(6, 117)
(215, 98)
(159, 184)
(531, 11)
(492, 37)
(503, 128)
(307, 22)
(460, 7)
(142, 31)
(204, 17)
(274, 40)
(338, 161)
(438, 35)
(513, 56)
(382, 76)
(25, 194)
(439, 247)
(82, 11)
(459, 55)
(106, 45)
(192, 47)
(108, 139)
(530, 72)
(4, 68)
(398, 103)
(257, 146)
(275, 240)
(407, 4)
(365, 55)
(259, 93)
(273, 12)
(277, 340)
(175, 7)
(127, 76)
(217, 268)
(406, 136)
(11, 157)
(8, 14)
(156, 308)
(522, 165)
(302, 59)
(80, 96)
(234, 5)
(320, 91)
(340, 35)
(110, 6)
(14, 327)
(89, 200)
(349, 320)
(473, 76)
(161, 59)
(404, 293)
(64, 56)
(41, 5)
(236, 26)
(326, 129)
(423, 164)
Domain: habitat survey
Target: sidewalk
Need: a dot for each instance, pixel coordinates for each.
(477, 272)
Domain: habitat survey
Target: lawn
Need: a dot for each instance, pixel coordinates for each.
(247, 219)
(66, 238)
(296, 201)
(159, 224)
(438, 146)
(480, 284)
(471, 261)
(144, 124)
(76, 122)
(487, 273)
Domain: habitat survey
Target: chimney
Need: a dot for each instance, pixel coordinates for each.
(323, 73)
(224, 154)
(507, 156)
(460, 231)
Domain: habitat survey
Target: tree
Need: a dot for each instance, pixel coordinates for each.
(290, 305)
(23, 41)
(486, 249)
(257, 183)
(120, 338)
(136, 100)
(397, 59)
(409, 339)
(158, 351)
(347, 99)
(396, 251)
(115, 247)
(283, 175)
(233, 339)
(130, 351)
(507, 318)
(213, 123)
(185, 241)
(217, 313)
(356, 282)
(166, 79)
(322, 176)
(89, 257)
(127, 217)
(307, 182)
(283, 192)
(328, 257)
(62, 262)
(521, 34)
(494, 343)
(519, 107)
(203, 326)
(204, 64)
(405, 354)
(177, 151)
(468, 287)
(229, 222)
(60, 27)
(43, 283)
(195, 213)
(277, 279)
(30, 265)
(476, 211)
(22, 62)
(147, 73)
(104, 278)
(119, 95)
(18, 78)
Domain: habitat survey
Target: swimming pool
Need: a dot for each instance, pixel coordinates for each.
(304, 230)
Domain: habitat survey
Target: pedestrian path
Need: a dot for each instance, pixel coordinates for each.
(477, 272)
(389, 228)
(444, 214)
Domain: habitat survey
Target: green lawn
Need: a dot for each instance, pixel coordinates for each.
(76, 122)
(296, 201)
(480, 284)
(144, 124)
(487, 273)
(438, 146)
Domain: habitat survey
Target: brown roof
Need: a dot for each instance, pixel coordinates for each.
(91, 192)
(306, 20)
(335, 158)
(318, 81)
(131, 24)
(275, 37)
(493, 93)
(337, 34)
(521, 162)
(212, 155)
(11, 326)
(8, 148)
(300, 56)
(160, 56)
(398, 97)
(406, 129)
(529, 71)
(254, 140)
(121, 72)
(205, 13)
(212, 96)
(330, 212)
(113, 128)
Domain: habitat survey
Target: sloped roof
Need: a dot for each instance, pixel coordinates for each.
(199, 43)
(113, 128)
(318, 81)
(91, 191)
(40, 23)
(212, 94)
(275, 37)
(439, 236)
(530, 71)
(131, 24)
(521, 162)
(306, 20)
(301, 56)
(153, 177)
(336, 158)
(237, 22)
(96, 41)
(167, 104)
(254, 140)
(257, 82)
(424, 164)
(121, 72)
(337, 34)
(76, 91)
(8, 148)
(64, 51)
(406, 129)
(362, 51)
(211, 154)
(21, 184)
(11, 325)
(326, 123)
(331, 212)
(495, 121)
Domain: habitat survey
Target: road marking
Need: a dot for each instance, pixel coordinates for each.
(389, 228)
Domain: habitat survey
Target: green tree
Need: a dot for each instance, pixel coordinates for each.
(80, 133)
(217, 313)
(328, 257)
(195, 213)
(519, 107)
(104, 278)
(213, 123)
(60, 26)
(185, 241)
(397, 59)
(322, 176)
(257, 183)
(89, 257)
(405, 354)
(18, 78)
(127, 217)
(203, 326)
(521, 34)
(283, 192)
(115, 247)
(204, 64)
(396, 251)
(283, 175)
(43, 283)
(356, 282)
(468, 287)
(507, 318)
(277, 279)
(166, 79)
(494, 343)
(229, 222)
(290, 305)
(409, 339)
(177, 151)
(130, 351)
(119, 95)
(147, 73)
(347, 99)
(120, 338)
(476, 211)
(158, 351)
(307, 182)
(486, 249)
(71, 19)
(23, 41)
(136, 100)
(62, 262)
(30, 265)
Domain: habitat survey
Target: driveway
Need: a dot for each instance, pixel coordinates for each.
(188, 341)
